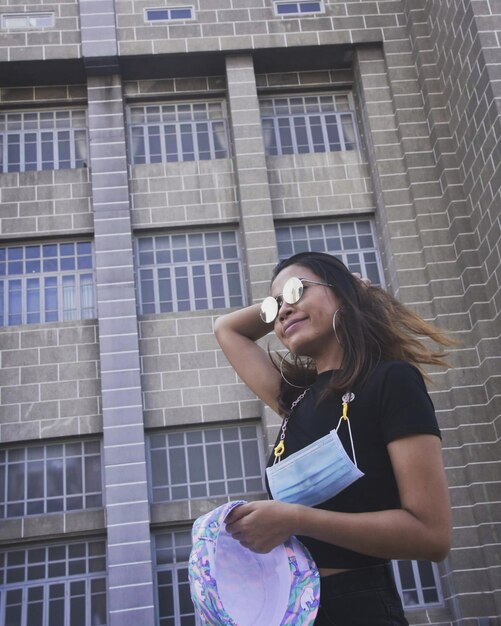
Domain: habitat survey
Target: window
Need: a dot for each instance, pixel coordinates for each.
(165, 133)
(174, 604)
(24, 21)
(43, 140)
(305, 124)
(175, 13)
(294, 8)
(205, 463)
(47, 282)
(48, 478)
(352, 242)
(60, 584)
(418, 583)
(188, 272)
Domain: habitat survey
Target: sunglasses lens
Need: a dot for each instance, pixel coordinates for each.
(293, 290)
(269, 310)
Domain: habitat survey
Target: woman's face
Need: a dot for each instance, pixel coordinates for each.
(305, 328)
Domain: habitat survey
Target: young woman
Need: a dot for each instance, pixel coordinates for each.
(352, 377)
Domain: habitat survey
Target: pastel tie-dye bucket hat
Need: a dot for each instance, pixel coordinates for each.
(233, 586)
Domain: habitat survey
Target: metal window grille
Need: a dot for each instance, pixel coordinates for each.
(295, 8)
(166, 133)
(174, 605)
(43, 140)
(418, 583)
(49, 478)
(353, 242)
(47, 282)
(168, 14)
(24, 21)
(306, 124)
(187, 272)
(55, 585)
(205, 463)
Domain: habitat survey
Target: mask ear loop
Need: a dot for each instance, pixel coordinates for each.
(347, 398)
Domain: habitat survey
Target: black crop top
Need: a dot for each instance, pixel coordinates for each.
(392, 403)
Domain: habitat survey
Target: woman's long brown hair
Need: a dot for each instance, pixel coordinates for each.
(371, 325)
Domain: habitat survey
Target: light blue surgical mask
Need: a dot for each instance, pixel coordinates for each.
(316, 473)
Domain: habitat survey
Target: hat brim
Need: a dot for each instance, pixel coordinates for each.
(232, 585)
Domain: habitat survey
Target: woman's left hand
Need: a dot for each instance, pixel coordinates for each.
(261, 526)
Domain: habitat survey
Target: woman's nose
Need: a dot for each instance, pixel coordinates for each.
(284, 310)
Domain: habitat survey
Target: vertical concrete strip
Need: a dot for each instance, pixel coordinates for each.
(130, 590)
(98, 28)
(256, 219)
(130, 577)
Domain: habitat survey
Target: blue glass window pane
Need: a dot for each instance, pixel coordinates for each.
(157, 14)
(171, 148)
(35, 479)
(285, 135)
(64, 150)
(430, 596)
(187, 145)
(15, 483)
(33, 266)
(283, 9)
(33, 300)
(154, 147)
(51, 299)
(179, 14)
(14, 253)
(98, 603)
(15, 302)
(301, 135)
(309, 7)
(84, 252)
(15, 261)
(202, 131)
(30, 152)
(426, 575)
(47, 151)
(13, 153)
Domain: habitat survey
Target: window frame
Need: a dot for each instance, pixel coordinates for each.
(169, 14)
(165, 278)
(52, 577)
(345, 254)
(27, 17)
(178, 132)
(45, 129)
(299, 4)
(51, 465)
(190, 486)
(329, 117)
(51, 283)
(176, 567)
(418, 589)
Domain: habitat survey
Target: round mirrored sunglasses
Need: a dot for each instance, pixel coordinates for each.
(293, 290)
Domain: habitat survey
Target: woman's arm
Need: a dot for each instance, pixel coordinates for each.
(237, 333)
(420, 529)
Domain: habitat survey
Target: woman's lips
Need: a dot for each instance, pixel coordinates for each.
(291, 324)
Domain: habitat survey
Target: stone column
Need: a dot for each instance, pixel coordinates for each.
(256, 219)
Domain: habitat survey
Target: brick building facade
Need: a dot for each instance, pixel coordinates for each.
(156, 160)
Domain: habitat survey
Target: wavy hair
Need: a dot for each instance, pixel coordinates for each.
(371, 325)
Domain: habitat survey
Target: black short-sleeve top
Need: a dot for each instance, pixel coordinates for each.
(391, 404)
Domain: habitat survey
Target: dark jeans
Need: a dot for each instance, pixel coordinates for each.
(363, 597)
